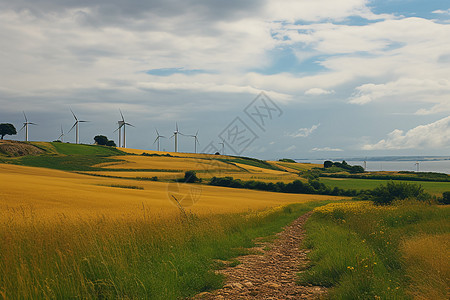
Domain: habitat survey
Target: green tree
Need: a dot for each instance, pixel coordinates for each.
(327, 164)
(101, 140)
(110, 143)
(191, 177)
(7, 129)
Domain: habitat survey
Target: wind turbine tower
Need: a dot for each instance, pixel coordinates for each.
(158, 136)
(122, 123)
(25, 125)
(195, 141)
(223, 147)
(76, 125)
(61, 137)
(175, 134)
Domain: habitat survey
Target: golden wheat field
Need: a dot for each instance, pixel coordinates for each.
(52, 193)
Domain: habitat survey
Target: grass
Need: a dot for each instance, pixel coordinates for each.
(436, 188)
(364, 251)
(67, 157)
(252, 162)
(139, 257)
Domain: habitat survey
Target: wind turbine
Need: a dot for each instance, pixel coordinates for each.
(223, 146)
(76, 125)
(61, 137)
(417, 164)
(195, 141)
(25, 125)
(123, 124)
(158, 136)
(175, 134)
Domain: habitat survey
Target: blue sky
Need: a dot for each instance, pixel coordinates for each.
(350, 78)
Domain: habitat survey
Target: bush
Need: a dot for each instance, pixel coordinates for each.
(287, 160)
(191, 177)
(110, 143)
(445, 198)
(385, 194)
(101, 140)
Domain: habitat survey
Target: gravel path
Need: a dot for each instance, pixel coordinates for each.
(271, 273)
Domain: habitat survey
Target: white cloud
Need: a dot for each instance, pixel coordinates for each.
(290, 148)
(440, 11)
(430, 136)
(304, 132)
(327, 149)
(318, 92)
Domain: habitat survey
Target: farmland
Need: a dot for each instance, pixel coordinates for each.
(99, 222)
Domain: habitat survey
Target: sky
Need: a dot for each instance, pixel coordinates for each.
(267, 78)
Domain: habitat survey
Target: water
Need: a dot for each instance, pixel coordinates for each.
(439, 166)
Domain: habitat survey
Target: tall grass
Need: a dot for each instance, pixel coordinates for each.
(144, 256)
(364, 251)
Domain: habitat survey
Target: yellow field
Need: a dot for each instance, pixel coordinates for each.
(52, 193)
(137, 174)
(165, 163)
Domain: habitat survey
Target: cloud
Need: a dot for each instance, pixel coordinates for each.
(440, 11)
(327, 149)
(429, 136)
(318, 92)
(304, 132)
(289, 149)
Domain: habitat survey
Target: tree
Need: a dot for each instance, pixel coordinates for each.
(327, 164)
(191, 177)
(111, 143)
(7, 129)
(101, 140)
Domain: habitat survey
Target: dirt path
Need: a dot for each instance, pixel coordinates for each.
(272, 272)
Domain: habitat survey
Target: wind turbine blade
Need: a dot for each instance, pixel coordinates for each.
(73, 114)
(123, 120)
(32, 123)
(24, 124)
(176, 125)
(26, 120)
(129, 124)
(157, 133)
(196, 133)
(156, 140)
(172, 136)
(83, 121)
(75, 124)
(117, 129)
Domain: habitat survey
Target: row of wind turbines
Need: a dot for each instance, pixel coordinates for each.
(121, 129)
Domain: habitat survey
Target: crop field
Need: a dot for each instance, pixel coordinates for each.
(435, 188)
(118, 225)
(52, 192)
(164, 163)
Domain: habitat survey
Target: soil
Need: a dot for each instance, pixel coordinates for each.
(16, 148)
(272, 272)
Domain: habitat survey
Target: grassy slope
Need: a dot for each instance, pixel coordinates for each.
(68, 157)
(367, 252)
(365, 184)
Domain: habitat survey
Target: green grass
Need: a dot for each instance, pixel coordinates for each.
(298, 167)
(59, 162)
(436, 188)
(67, 157)
(358, 252)
(252, 162)
(81, 149)
(140, 258)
